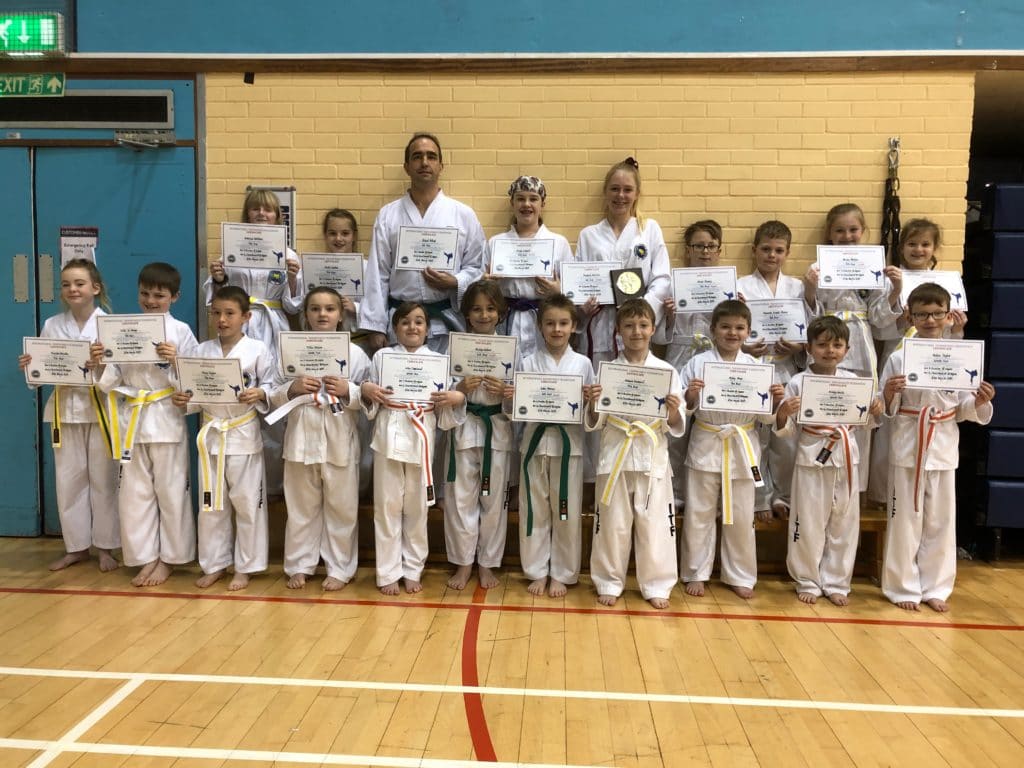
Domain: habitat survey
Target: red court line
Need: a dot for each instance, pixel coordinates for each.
(652, 614)
(475, 717)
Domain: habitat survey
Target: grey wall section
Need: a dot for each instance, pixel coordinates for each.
(558, 26)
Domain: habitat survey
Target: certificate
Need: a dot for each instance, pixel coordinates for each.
(255, 246)
(555, 398)
(700, 289)
(427, 248)
(633, 390)
(211, 380)
(951, 281)
(473, 354)
(828, 400)
(341, 271)
(57, 361)
(522, 258)
(314, 354)
(130, 338)
(413, 377)
(774, 319)
(851, 266)
(583, 279)
(744, 387)
(943, 363)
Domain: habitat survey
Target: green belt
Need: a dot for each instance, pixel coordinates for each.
(435, 309)
(484, 413)
(563, 474)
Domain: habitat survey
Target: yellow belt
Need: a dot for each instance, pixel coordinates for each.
(141, 399)
(103, 419)
(213, 496)
(632, 429)
(267, 303)
(726, 433)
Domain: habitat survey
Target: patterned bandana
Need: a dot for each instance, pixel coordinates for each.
(528, 184)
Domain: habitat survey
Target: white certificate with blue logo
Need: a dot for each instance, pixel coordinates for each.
(774, 319)
(211, 380)
(743, 387)
(583, 279)
(552, 398)
(951, 281)
(255, 246)
(943, 363)
(858, 267)
(341, 271)
(473, 354)
(522, 258)
(57, 361)
(633, 390)
(413, 377)
(314, 354)
(701, 289)
(427, 248)
(130, 338)
(829, 400)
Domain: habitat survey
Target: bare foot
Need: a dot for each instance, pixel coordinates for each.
(745, 592)
(941, 606)
(332, 584)
(763, 515)
(238, 581)
(907, 605)
(487, 578)
(297, 581)
(143, 574)
(807, 597)
(69, 558)
(158, 575)
(537, 586)
(607, 599)
(460, 578)
(412, 586)
(658, 602)
(107, 561)
(557, 589)
(694, 588)
(209, 579)
(839, 599)
(389, 589)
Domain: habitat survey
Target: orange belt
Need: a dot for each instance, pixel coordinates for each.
(834, 435)
(415, 412)
(927, 418)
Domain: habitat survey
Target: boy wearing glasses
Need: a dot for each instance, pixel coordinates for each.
(920, 546)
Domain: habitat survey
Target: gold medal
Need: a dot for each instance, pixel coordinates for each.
(629, 283)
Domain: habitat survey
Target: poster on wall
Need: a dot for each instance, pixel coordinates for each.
(78, 243)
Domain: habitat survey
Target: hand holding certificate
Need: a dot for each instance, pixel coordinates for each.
(427, 248)
(57, 361)
(742, 387)
(256, 246)
(858, 267)
(943, 363)
(633, 391)
(341, 271)
(130, 338)
(314, 354)
(582, 280)
(473, 354)
(701, 289)
(548, 397)
(413, 377)
(951, 281)
(522, 258)
(829, 400)
(211, 380)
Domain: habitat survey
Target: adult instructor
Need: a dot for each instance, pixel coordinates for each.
(423, 205)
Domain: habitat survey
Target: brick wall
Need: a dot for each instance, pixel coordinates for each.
(739, 148)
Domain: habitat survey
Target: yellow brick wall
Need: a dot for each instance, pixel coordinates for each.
(738, 148)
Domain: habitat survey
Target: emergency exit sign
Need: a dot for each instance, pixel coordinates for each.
(39, 84)
(31, 33)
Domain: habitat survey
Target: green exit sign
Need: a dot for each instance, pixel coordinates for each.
(28, 34)
(39, 84)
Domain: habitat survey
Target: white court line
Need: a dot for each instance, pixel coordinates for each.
(305, 758)
(655, 698)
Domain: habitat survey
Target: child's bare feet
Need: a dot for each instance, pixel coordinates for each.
(607, 599)
(332, 584)
(69, 558)
(460, 578)
(907, 605)
(487, 578)
(837, 598)
(537, 586)
(557, 589)
(807, 597)
(745, 592)
(143, 574)
(160, 573)
(694, 588)
(107, 561)
(941, 606)
(297, 581)
(209, 579)
(412, 586)
(238, 581)
(389, 589)
(660, 603)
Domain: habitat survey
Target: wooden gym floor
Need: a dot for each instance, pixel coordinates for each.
(96, 673)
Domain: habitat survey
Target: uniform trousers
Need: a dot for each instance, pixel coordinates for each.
(156, 505)
(739, 555)
(399, 519)
(86, 479)
(554, 547)
(475, 526)
(245, 542)
(323, 519)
